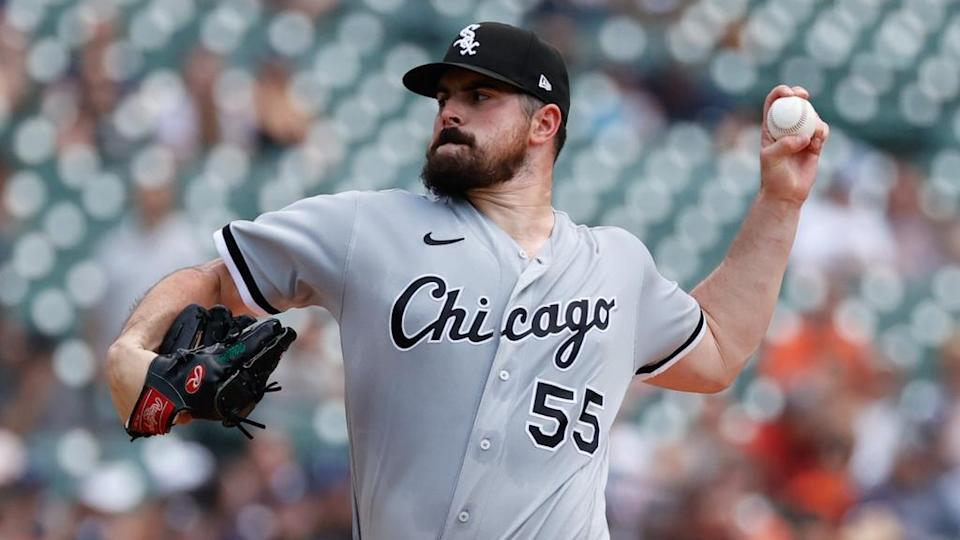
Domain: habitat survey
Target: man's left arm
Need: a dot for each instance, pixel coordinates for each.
(738, 298)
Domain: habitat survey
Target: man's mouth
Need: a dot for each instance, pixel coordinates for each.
(449, 144)
(452, 136)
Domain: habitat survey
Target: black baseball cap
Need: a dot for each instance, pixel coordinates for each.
(505, 53)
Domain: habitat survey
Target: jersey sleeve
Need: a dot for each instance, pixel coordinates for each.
(293, 257)
(670, 321)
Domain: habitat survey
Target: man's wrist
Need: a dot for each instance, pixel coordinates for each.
(126, 371)
(778, 203)
(135, 339)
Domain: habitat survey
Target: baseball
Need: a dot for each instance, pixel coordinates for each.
(791, 115)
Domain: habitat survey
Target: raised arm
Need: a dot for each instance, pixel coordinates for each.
(130, 355)
(738, 298)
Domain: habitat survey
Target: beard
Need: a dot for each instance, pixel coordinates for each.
(470, 167)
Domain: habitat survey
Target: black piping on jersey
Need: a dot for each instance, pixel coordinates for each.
(356, 512)
(653, 367)
(244, 270)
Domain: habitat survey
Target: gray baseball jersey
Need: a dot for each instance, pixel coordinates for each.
(480, 384)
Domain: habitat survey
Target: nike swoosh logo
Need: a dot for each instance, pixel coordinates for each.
(431, 241)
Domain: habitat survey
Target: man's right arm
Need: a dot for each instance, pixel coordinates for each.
(130, 355)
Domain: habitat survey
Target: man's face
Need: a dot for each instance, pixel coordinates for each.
(479, 136)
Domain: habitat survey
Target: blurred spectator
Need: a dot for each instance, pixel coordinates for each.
(878, 427)
(872, 523)
(31, 383)
(560, 30)
(642, 111)
(7, 224)
(803, 457)
(816, 353)
(281, 121)
(198, 125)
(951, 242)
(867, 238)
(96, 97)
(949, 378)
(203, 67)
(99, 93)
(13, 76)
(916, 492)
(918, 252)
(314, 9)
(202, 120)
(681, 93)
(268, 494)
(156, 238)
(20, 509)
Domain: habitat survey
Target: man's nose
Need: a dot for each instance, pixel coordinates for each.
(450, 116)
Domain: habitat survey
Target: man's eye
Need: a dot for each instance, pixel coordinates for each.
(441, 102)
(477, 96)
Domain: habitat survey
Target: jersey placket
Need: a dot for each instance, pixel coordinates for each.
(484, 451)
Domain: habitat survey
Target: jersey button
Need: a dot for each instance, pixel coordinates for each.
(485, 444)
(522, 253)
(463, 517)
(504, 375)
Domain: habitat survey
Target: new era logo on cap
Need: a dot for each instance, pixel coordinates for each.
(544, 83)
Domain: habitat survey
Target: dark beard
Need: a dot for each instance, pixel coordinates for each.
(454, 175)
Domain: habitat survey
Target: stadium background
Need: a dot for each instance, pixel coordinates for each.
(131, 129)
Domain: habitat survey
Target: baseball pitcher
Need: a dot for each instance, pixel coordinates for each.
(488, 340)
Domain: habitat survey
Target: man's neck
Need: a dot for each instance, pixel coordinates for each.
(521, 207)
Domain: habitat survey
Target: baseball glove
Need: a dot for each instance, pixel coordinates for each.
(212, 365)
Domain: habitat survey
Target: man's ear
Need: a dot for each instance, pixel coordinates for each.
(545, 123)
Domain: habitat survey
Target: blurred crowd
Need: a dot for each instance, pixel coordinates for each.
(837, 430)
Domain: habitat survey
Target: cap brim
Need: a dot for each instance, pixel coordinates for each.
(424, 79)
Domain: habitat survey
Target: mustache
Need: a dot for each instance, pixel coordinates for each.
(452, 135)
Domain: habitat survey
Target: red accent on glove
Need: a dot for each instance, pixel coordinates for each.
(194, 380)
(152, 415)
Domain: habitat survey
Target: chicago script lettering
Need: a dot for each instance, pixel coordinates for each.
(449, 312)
(454, 322)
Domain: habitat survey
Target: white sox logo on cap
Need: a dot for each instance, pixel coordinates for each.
(467, 42)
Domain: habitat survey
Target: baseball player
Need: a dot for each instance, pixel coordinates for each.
(488, 341)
